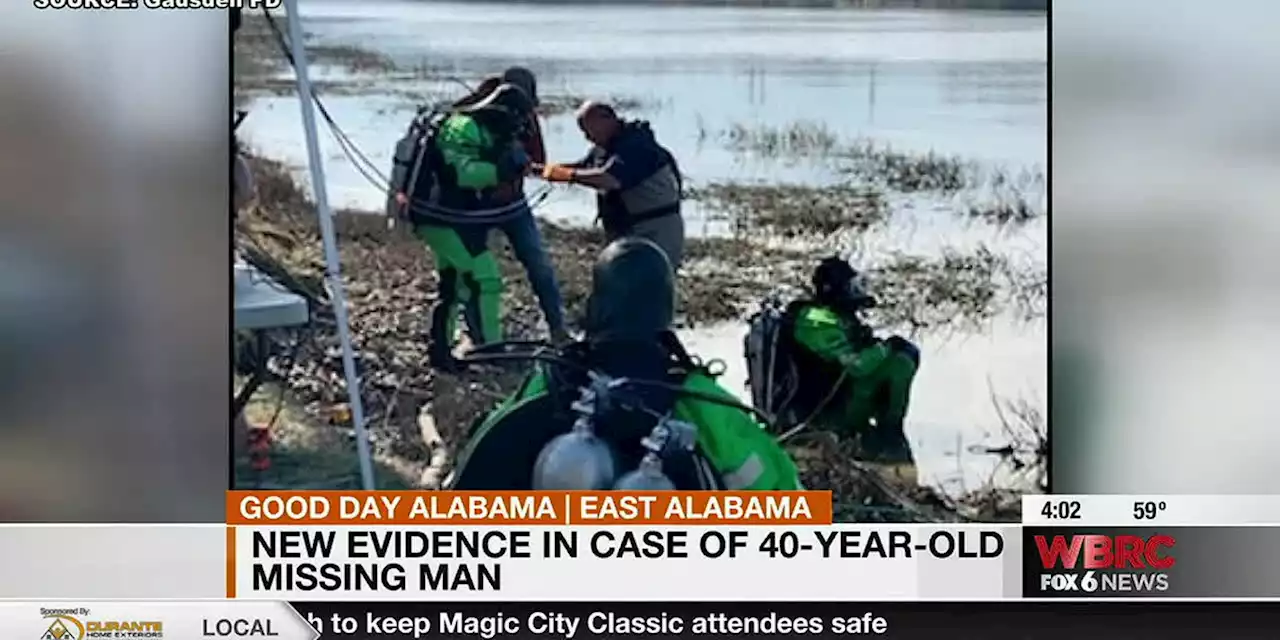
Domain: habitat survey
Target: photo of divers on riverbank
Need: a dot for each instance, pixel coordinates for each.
(913, 154)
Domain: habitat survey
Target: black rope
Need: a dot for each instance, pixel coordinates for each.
(556, 357)
(349, 148)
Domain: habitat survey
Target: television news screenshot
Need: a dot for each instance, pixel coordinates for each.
(752, 315)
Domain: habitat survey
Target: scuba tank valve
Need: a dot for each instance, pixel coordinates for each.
(667, 435)
(647, 477)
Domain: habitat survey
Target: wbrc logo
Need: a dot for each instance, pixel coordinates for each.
(1111, 554)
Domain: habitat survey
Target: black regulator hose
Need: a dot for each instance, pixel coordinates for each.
(499, 351)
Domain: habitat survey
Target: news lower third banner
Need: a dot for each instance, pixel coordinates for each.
(636, 547)
(453, 546)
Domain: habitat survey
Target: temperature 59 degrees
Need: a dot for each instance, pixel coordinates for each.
(1148, 509)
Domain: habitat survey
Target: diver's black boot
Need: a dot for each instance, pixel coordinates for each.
(443, 362)
(886, 447)
(439, 351)
(889, 445)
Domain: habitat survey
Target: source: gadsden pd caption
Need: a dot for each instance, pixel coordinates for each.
(174, 5)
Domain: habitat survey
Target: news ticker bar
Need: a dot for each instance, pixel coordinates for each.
(906, 621)
(661, 620)
(1154, 510)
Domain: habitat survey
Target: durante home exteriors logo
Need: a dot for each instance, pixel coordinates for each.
(73, 624)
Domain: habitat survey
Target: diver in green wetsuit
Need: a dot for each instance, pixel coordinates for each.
(628, 335)
(479, 163)
(857, 384)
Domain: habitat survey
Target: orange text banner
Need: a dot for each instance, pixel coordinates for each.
(529, 507)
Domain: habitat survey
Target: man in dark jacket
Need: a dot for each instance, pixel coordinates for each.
(638, 179)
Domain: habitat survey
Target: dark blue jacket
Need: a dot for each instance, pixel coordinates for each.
(649, 178)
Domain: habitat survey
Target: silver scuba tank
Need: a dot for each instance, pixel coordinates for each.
(578, 460)
(409, 161)
(761, 350)
(401, 164)
(647, 477)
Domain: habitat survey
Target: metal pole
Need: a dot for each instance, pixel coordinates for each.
(333, 272)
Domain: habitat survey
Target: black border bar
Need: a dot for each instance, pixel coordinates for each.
(1013, 620)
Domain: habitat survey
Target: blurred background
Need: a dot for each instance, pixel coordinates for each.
(114, 252)
(1164, 323)
(114, 244)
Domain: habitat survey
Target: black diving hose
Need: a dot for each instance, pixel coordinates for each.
(369, 171)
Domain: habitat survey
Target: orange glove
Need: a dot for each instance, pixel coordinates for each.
(557, 173)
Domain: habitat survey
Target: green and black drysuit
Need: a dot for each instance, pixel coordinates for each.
(504, 447)
(473, 168)
(627, 325)
(848, 376)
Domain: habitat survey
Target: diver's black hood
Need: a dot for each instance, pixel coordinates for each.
(836, 284)
(633, 294)
(524, 80)
(503, 113)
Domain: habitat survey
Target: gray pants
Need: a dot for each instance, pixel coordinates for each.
(666, 232)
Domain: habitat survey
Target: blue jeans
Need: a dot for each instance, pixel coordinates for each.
(526, 242)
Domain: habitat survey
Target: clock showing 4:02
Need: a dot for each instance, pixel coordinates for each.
(1061, 510)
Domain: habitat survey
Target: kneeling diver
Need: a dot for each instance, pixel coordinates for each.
(627, 398)
(835, 372)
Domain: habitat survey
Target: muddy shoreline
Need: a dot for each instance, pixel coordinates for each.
(418, 417)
